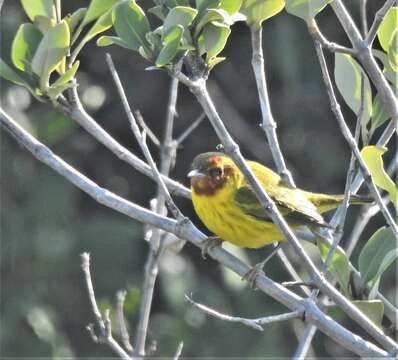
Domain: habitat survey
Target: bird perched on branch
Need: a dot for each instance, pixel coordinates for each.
(227, 205)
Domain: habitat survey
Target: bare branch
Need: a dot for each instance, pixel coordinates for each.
(379, 16)
(268, 124)
(186, 230)
(305, 343)
(141, 140)
(124, 334)
(146, 128)
(330, 46)
(364, 16)
(178, 351)
(253, 323)
(103, 323)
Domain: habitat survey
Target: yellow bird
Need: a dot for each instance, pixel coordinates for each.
(227, 205)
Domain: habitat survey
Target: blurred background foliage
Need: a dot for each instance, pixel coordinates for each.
(46, 223)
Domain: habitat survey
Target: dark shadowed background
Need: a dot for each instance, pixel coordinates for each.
(46, 223)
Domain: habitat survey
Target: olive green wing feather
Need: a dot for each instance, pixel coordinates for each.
(294, 207)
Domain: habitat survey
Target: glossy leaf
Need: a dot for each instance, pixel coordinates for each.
(215, 36)
(97, 8)
(202, 5)
(379, 113)
(306, 9)
(24, 46)
(339, 265)
(67, 76)
(74, 19)
(158, 11)
(171, 44)
(376, 256)
(180, 15)
(35, 8)
(103, 23)
(349, 76)
(387, 28)
(51, 52)
(111, 40)
(388, 72)
(372, 155)
(43, 23)
(213, 15)
(231, 6)
(257, 11)
(373, 309)
(131, 24)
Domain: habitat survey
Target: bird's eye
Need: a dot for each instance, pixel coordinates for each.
(216, 172)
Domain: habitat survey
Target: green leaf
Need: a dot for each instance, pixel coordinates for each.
(131, 25)
(393, 51)
(180, 15)
(213, 15)
(74, 19)
(103, 23)
(43, 23)
(388, 72)
(171, 44)
(24, 46)
(257, 11)
(374, 252)
(306, 9)
(97, 8)
(387, 28)
(158, 11)
(215, 36)
(339, 265)
(373, 309)
(231, 6)
(111, 40)
(214, 61)
(51, 52)
(67, 76)
(34, 8)
(202, 5)
(8, 73)
(372, 155)
(379, 113)
(349, 76)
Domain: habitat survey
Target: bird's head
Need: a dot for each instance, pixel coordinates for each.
(211, 172)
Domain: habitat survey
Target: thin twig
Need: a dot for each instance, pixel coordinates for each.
(186, 230)
(178, 351)
(253, 323)
(351, 141)
(124, 334)
(190, 129)
(167, 158)
(141, 139)
(364, 16)
(304, 343)
(103, 323)
(330, 46)
(379, 16)
(268, 124)
(146, 128)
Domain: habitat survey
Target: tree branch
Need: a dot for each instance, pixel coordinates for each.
(186, 230)
(379, 16)
(124, 334)
(253, 323)
(103, 323)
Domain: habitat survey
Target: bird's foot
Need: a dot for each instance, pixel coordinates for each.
(258, 269)
(209, 243)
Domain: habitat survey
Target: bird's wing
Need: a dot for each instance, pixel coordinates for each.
(294, 207)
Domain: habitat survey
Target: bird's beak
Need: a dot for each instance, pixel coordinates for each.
(195, 173)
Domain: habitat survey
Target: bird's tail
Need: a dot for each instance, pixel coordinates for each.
(326, 203)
